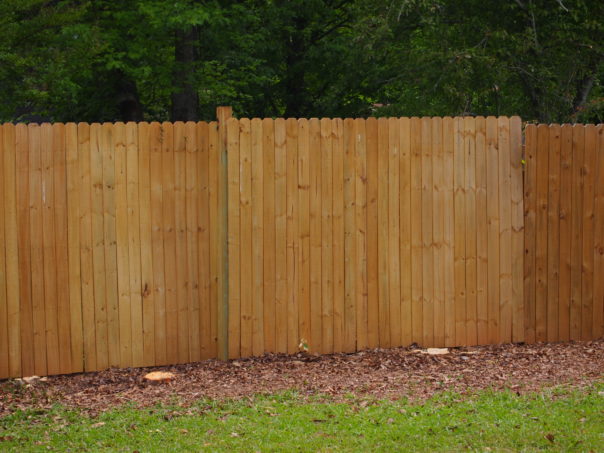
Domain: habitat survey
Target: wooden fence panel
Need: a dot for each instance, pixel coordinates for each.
(342, 235)
(4, 371)
(598, 306)
(567, 236)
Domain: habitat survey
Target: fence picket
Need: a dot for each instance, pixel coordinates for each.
(384, 298)
(565, 229)
(482, 256)
(373, 226)
(553, 236)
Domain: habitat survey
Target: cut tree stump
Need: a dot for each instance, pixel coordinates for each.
(158, 377)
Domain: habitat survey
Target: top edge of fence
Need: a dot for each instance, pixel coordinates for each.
(526, 124)
(374, 118)
(564, 125)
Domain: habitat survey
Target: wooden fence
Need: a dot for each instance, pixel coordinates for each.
(110, 239)
(349, 234)
(564, 262)
(342, 235)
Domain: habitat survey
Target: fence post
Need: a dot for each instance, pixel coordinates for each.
(223, 114)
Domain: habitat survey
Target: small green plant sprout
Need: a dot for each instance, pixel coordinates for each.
(303, 346)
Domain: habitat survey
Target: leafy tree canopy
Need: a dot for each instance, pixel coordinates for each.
(83, 60)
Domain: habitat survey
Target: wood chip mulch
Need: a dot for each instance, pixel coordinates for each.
(379, 373)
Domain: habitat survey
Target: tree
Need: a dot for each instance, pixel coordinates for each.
(79, 60)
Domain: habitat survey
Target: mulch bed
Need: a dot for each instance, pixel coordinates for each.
(379, 373)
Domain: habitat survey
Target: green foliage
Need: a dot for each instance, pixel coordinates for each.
(72, 60)
(488, 421)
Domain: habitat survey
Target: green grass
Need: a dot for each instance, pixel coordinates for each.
(557, 420)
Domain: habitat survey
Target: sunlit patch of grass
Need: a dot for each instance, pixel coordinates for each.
(555, 419)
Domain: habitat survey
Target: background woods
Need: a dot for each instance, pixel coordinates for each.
(77, 60)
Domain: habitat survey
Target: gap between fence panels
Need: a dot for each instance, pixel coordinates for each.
(159, 243)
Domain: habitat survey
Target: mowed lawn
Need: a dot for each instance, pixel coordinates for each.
(554, 419)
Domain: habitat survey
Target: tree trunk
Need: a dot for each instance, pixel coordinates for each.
(294, 85)
(127, 100)
(583, 91)
(185, 100)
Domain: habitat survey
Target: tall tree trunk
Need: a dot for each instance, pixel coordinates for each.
(185, 100)
(127, 99)
(295, 90)
(583, 91)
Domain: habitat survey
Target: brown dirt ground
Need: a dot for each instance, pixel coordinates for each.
(379, 373)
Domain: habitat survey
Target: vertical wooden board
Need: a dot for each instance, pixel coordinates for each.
(135, 139)
(192, 202)
(405, 229)
(314, 230)
(180, 224)
(257, 239)
(223, 114)
(326, 236)
(4, 324)
(234, 240)
(338, 234)
(553, 236)
(157, 245)
(598, 306)
(517, 230)
(530, 201)
(384, 299)
(246, 256)
(505, 231)
(427, 235)
(149, 138)
(36, 251)
(121, 227)
(542, 163)
(587, 276)
(416, 232)
(309, 196)
(350, 323)
(268, 162)
(482, 276)
(214, 155)
(493, 229)
(11, 236)
(49, 251)
(169, 236)
(84, 188)
(576, 248)
(373, 273)
(393, 216)
(60, 201)
(438, 206)
(280, 237)
(73, 247)
(103, 229)
(361, 230)
(566, 165)
(459, 201)
(23, 244)
(470, 230)
(106, 144)
(449, 228)
(291, 127)
(208, 343)
(4, 371)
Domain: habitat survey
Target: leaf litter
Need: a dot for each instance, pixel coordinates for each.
(378, 373)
